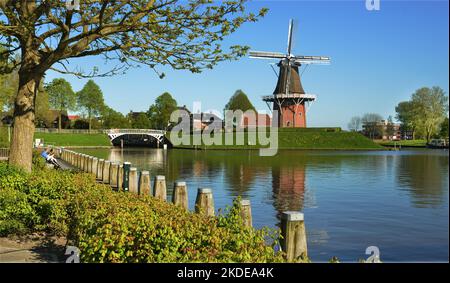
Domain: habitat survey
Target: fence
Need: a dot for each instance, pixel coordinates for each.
(4, 153)
(124, 177)
(70, 131)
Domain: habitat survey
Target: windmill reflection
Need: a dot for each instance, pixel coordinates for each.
(288, 183)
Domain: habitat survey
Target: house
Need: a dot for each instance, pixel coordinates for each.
(258, 120)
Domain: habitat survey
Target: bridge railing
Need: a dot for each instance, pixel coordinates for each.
(136, 131)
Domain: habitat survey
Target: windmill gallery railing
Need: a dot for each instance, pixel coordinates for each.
(124, 177)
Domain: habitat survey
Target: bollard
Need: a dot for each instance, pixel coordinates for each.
(204, 202)
(159, 188)
(83, 162)
(144, 183)
(89, 167)
(94, 166)
(246, 212)
(106, 166)
(120, 178)
(101, 163)
(78, 160)
(113, 174)
(180, 195)
(126, 176)
(133, 185)
(294, 235)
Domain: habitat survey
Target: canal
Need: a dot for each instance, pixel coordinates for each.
(395, 200)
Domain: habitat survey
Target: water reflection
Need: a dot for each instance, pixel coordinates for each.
(288, 184)
(426, 191)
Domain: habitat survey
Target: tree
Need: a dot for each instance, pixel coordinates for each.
(90, 98)
(159, 113)
(407, 116)
(61, 97)
(443, 133)
(390, 127)
(181, 34)
(239, 101)
(371, 123)
(113, 119)
(431, 105)
(42, 108)
(355, 124)
(141, 121)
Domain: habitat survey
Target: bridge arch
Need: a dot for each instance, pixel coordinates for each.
(138, 137)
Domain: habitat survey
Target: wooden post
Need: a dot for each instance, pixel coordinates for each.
(294, 235)
(101, 163)
(89, 167)
(144, 183)
(180, 195)
(94, 166)
(160, 188)
(113, 174)
(204, 202)
(133, 181)
(246, 212)
(106, 166)
(126, 176)
(79, 162)
(120, 178)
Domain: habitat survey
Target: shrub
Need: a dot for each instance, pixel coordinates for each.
(112, 226)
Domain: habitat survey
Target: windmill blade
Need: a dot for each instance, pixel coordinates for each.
(312, 59)
(266, 55)
(290, 32)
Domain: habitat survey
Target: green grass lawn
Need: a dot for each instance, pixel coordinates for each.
(73, 139)
(409, 143)
(304, 139)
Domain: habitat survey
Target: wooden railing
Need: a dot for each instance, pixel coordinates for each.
(123, 177)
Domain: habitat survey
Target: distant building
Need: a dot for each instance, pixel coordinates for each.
(261, 120)
(380, 130)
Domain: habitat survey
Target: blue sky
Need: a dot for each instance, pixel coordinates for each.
(378, 59)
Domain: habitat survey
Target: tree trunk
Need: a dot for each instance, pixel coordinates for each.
(22, 139)
(89, 123)
(59, 122)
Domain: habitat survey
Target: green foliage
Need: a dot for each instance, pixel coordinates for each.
(159, 112)
(141, 121)
(239, 101)
(112, 226)
(113, 119)
(444, 128)
(4, 136)
(424, 112)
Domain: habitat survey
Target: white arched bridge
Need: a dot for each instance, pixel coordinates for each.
(137, 137)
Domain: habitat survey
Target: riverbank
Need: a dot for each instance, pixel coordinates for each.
(403, 143)
(301, 139)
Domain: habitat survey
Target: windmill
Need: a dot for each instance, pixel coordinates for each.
(289, 98)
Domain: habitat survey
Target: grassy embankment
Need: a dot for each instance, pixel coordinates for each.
(305, 138)
(73, 140)
(404, 143)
